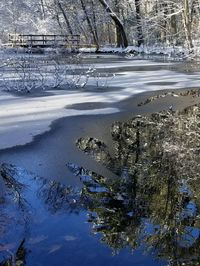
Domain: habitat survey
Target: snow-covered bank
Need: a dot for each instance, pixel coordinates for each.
(176, 52)
(149, 50)
(22, 118)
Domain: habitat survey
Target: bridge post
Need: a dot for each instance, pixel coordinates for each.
(31, 40)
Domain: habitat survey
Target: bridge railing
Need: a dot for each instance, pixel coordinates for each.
(41, 40)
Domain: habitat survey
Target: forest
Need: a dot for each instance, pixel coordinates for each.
(118, 23)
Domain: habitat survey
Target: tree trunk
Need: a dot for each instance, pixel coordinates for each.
(94, 34)
(118, 32)
(140, 38)
(59, 23)
(174, 30)
(94, 20)
(65, 17)
(187, 24)
(164, 9)
(42, 9)
(118, 24)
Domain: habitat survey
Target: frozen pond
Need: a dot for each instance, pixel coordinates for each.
(94, 192)
(110, 81)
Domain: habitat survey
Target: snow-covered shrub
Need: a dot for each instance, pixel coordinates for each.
(27, 72)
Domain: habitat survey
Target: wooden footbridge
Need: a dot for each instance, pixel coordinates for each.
(44, 41)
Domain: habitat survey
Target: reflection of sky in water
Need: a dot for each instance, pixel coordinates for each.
(63, 238)
(85, 249)
(150, 205)
(189, 237)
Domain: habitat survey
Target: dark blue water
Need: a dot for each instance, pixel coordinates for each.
(55, 228)
(145, 213)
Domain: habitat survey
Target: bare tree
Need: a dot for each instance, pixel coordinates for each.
(92, 29)
(140, 38)
(187, 23)
(65, 16)
(118, 24)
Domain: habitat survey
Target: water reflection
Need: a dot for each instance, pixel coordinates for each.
(154, 201)
(28, 201)
(152, 204)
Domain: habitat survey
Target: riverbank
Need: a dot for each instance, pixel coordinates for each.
(171, 52)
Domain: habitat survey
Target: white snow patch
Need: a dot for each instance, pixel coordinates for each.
(151, 49)
(23, 118)
(87, 50)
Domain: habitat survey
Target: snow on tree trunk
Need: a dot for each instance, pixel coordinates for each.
(187, 24)
(65, 17)
(118, 23)
(140, 38)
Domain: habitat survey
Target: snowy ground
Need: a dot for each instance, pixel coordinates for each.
(22, 118)
(177, 52)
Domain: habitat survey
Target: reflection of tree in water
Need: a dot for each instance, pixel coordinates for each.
(54, 195)
(154, 199)
(153, 202)
(18, 259)
(57, 197)
(23, 193)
